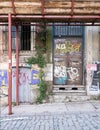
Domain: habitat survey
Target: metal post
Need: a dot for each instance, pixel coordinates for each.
(17, 68)
(10, 65)
(42, 8)
(72, 7)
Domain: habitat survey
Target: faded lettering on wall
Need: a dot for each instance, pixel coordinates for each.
(3, 78)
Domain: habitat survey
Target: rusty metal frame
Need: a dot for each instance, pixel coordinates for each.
(72, 7)
(17, 67)
(53, 16)
(13, 7)
(52, 24)
(42, 11)
(9, 64)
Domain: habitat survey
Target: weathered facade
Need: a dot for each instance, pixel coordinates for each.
(73, 68)
(73, 60)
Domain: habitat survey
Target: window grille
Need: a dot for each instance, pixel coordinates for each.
(24, 37)
(69, 31)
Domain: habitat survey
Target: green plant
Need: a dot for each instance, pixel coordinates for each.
(42, 87)
(14, 103)
(40, 60)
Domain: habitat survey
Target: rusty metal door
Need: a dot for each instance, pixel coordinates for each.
(68, 61)
(24, 84)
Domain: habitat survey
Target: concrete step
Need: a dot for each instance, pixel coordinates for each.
(65, 93)
(65, 98)
(70, 92)
(68, 87)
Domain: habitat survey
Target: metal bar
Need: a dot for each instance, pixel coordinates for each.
(42, 7)
(83, 55)
(53, 46)
(54, 24)
(53, 16)
(72, 7)
(61, 24)
(13, 6)
(17, 68)
(57, 16)
(9, 64)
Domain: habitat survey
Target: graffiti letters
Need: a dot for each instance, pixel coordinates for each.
(63, 71)
(60, 71)
(73, 73)
(67, 47)
(23, 76)
(34, 77)
(60, 46)
(3, 78)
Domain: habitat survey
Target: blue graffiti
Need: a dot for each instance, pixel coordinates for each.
(3, 78)
(34, 77)
(60, 80)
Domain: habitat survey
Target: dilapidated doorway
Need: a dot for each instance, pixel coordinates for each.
(24, 84)
(68, 55)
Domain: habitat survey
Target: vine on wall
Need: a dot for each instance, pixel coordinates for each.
(40, 60)
(43, 51)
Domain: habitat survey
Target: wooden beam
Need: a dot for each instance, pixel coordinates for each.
(50, 7)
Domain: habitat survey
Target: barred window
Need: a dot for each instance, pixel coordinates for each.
(24, 38)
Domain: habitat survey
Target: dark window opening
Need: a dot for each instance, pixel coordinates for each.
(25, 38)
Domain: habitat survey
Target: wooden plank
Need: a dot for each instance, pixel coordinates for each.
(27, 0)
(28, 10)
(53, 4)
(87, 11)
(68, 4)
(21, 10)
(6, 10)
(27, 4)
(20, 4)
(57, 4)
(86, 4)
(57, 11)
(76, 11)
(51, 7)
(5, 4)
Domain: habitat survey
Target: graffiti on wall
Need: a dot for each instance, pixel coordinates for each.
(94, 69)
(67, 47)
(3, 78)
(24, 84)
(23, 76)
(63, 71)
(34, 77)
(68, 61)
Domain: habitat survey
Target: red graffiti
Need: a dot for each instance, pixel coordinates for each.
(23, 77)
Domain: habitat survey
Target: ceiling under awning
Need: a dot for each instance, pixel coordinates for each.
(79, 11)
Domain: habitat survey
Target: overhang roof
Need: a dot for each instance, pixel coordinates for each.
(85, 11)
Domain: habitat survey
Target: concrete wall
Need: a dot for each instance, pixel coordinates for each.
(92, 53)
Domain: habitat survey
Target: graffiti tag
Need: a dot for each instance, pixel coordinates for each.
(23, 77)
(3, 78)
(67, 47)
(34, 77)
(63, 71)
